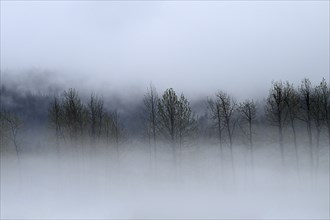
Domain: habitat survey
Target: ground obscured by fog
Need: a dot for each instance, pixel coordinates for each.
(99, 184)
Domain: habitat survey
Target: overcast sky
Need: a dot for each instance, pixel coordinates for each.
(194, 47)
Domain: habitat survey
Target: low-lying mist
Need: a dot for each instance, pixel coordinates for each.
(164, 110)
(76, 156)
(85, 181)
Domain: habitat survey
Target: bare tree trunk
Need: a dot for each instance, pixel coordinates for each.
(232, 163)
(118, 159)
(251, 149)
(173, 144)
(295, 146)
(155, 149)
(150, 154)
(174, 154)
(231, 151)
(154, 134)
(17, 150)
(318, 133)
(14, 133)
(280, 130)
(155, 158)
(328, 128)
(329, 135)
(309, 131)
(220, 145)
(180, 160)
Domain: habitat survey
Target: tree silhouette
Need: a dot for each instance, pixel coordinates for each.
(150, 102)
(14, 123)
(305, 93)
(176, 119)
(227, 109)
(187, 126)
(248, 113)
(214, 106)
(74, 113)
(325, 100)
(95, 116)
(167, 108)
(291, 99)
(276, 111)
(56, 118)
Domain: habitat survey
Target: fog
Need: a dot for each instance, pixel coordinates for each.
(164, 110)
(44, 185)
(58, 169)
(237, 46)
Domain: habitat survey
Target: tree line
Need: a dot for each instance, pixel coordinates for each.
(72, 120)
(169, 118)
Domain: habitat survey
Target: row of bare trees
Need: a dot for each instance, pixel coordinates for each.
(288, 106)
(226, 115)
(72, 120)
(169, 118)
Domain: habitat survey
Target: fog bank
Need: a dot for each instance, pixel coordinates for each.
(97, 185)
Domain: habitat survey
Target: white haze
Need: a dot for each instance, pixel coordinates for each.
(95, 186)
(116, 48)
(196, 47)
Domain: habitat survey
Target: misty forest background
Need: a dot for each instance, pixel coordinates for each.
(292, 122)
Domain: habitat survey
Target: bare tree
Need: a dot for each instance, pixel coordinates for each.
(5, 132)
(325, 94)
(248, 113)
(276, 111)
(74, 113)
(56, 119)
(167, 108)
(214, 106)
(100, 115)
(150, 102)
(14, 123)
(116, 128)
(187, 126)
(291, 99)
(176, 119)
(92, 116)
(305, 93)
(112, 128)
(316, 114)
(107, 126)
(227, 108)
(95, 116)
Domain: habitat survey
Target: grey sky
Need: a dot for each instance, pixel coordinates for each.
(195, 47)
